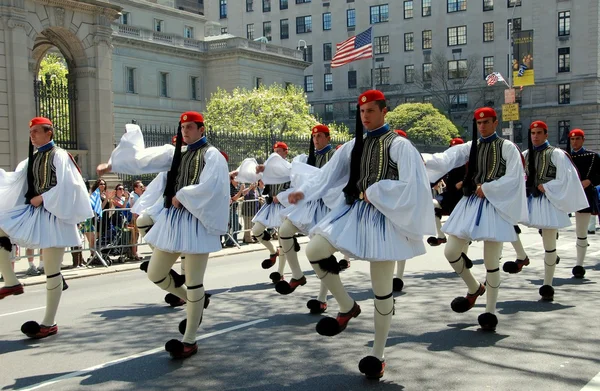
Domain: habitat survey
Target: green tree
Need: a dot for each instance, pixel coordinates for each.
(423, 124)
(53, 69)
(53, 93)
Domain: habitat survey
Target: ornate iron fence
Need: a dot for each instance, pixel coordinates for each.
(57, 102)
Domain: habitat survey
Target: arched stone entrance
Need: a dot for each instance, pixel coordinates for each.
(81, 31)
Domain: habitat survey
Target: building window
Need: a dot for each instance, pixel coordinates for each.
(125, 18)
(222, 9)
(488, 32)
(283, 4)
(188, 32)
(409, 73)
(309, 84)
(328, 82)
(488, 5)
(164, 86)
(284, 29)
(408, 9)
(249, 5)
(302, 1)
(457, 69)
(351, 18)
(427, 99)
(194, 87)
(564, 59)
(326, 21)
(427, 67)
(410, 99)
(258, 82)
(327, 52)
(328, 114)
(516, 26)
(352, 109)
(307, 54)
(250, 31)
(488, 66)
(426, 36)
(130, 79)
(382, 76)
(267, 31)
(266, 5)
(379, 13)
(352, 79)
(457, 5)
(409, 42)
(564, 127)
(564, 23)
(564, 94)
(458, 101)
(159, 25)
(457, 35)
(426, 8)
(514, 3)
(382, 44)
(223, 30)
(303, 24)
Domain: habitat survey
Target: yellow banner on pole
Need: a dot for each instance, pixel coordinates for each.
(522, 65)
(510, 112)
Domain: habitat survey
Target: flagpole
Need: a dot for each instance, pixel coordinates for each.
(510, 60)
(372, 59)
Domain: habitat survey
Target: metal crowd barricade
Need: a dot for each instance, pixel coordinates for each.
(244, 213)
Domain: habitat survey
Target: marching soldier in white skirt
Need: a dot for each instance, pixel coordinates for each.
(42, 203)
(553, 191)
(494, 201)
(189, 220)
(386, 213)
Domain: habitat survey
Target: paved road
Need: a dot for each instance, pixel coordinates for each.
(113, 328)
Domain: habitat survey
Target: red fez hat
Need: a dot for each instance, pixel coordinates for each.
(40, 121)
(401, 132)
(485, 112)
(280, 144)
(456, 141)
(225, 155)
(576, 133)
(320, 128)
(370, 96)
(191, 116)
(538, 124)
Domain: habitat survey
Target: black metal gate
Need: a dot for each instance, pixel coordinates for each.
(57, 102)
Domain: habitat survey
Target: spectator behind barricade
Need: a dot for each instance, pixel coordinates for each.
(138, 190)
(105, 204)
(119, 201)
(89, 227)
(235, 192)
(250, 206)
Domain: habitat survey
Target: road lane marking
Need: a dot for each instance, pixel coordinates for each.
(593, 385)
(20, 312)
(134, 356)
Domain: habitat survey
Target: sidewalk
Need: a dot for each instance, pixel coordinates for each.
(144, 251)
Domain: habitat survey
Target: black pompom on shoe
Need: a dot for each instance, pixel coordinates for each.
(179, 350)
(578, 272)
(328, 327)
(316, 306)
(174, 301)
(488, 321)
(547, 292)
(372, 367)
(275, 277)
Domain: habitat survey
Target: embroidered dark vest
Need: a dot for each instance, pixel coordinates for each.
(376, 163)
(490, 162)
(191, 166)
(324, 158)
(44, 171)
(587, 164)
(545, 169)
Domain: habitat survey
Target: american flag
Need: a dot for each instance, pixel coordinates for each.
(352, 49)
(493, 78)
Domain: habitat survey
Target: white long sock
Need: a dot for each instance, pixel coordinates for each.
(549, 240)
(54, 285)
(288, 230)
(581, 224)
(6, 267)
(257, 231)
(518, 246)
(282, 259)
(317, 249)
(159, 267)
(438, 227)
(491, 259)
(323, 291)
(453, 251)
(195, 268)
(381, 281)
(400, 265)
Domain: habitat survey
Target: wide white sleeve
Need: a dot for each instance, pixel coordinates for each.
(68, 200)
(208, 200)
(565, 191)
(247, 171)
(333, 175)
(13, 186)
(277, 170)
(507, 193)
(406, 201)
(439, 164)
(132, 157)
(154, 192)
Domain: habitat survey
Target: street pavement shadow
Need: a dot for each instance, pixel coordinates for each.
(331, 382)
(432, 276)
(515, 306)
(17, 345)
(261, 286)
(558, 281)
(142, 311)
(32, 380)
(456, 335)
